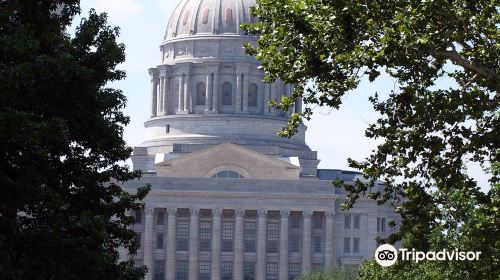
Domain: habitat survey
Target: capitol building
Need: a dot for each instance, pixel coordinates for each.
(230, 199)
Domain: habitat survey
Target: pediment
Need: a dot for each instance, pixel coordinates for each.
(207, 162)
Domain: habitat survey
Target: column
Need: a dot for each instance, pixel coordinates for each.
(181, 93)
(306, 243)
(267, 96)
(209, 92)
(238, 91)
(261, 245)
(148, 241)
(238, 244)
(170, 261)
(216, 238)
(216, 93)
(160, 99)
(245, 93)
(273, 96)
(187, 93)
(193, 244)
(330, 214)
(154, 92)
(284, 245)
(166, 99)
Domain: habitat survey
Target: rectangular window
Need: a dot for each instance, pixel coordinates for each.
(182, 270)
(138, 239)
(295, 243)
(317, 221)
(317, 243)
(295, 221)
(249, 271)
(159, 270)
(347, 221)
(317, 267)
(378, 224)
(356, 222)
(159, 240)
(272, 271)
(249, 237)
(204, 272)
(347, 245)
(226, 272)
(182, 235)
(273, 236)
(138, 217)
(205, 235)
(227, 236)
(160, 218)
(293, 271)
(355, 245)
(382, 225)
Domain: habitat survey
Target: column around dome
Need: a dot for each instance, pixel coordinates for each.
(153, 72)
(216, 90)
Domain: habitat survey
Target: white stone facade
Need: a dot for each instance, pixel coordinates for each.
(230, 199)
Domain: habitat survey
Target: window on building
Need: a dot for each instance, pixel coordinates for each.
(159, 240)
(355, 245)
(351, 245)
(182, 270)
(347, 221)
(317, 243)
(228, 174)
(294, 271)
(317, 267)
(159, 270)
(138, 262)
(182, 235)
(227, 236)
(294, 243)
(205, 235)
(352, 221)
(249, 271)
(227, 94)
(381, 224)
(204, 272)
(273, 236)
(138, 239)
(295, 221)
(200, 94)
(317, 221)
(347, 245)
(160, 218)
(249, 237)
(226, 271)
(272, 271)
(252, 95)
(356, 221)
(138, 217)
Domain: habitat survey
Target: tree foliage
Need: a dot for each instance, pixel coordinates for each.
(62, 211)
(443, 112)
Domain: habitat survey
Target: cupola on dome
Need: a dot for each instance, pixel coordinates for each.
(208, 17)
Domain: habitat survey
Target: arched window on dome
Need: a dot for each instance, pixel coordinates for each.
(227, 94)
(252, 95)
(228, 174)
(201, 94)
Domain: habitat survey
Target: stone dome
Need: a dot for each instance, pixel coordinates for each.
(209, 17)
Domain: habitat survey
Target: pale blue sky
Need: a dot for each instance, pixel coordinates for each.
(336, 135)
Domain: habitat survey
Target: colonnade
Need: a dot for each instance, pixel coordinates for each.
(238, 249)
(162, 94)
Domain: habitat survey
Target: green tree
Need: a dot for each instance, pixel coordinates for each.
(62, 210)
(443, 112)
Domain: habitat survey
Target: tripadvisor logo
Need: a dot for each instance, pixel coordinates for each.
(387, 255)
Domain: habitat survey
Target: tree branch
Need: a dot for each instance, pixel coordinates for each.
(467, 64)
